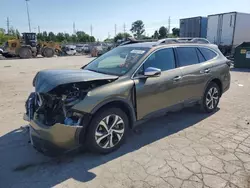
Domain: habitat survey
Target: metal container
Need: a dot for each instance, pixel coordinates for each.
(193, 27)
(242, 56)
(228, 29)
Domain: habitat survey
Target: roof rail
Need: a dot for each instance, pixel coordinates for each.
(182, 40)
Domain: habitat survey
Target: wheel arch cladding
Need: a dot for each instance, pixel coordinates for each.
(121, 104)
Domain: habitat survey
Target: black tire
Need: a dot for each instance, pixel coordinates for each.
(211, 106)
(48, 52)
(91, 141)
(25, 53)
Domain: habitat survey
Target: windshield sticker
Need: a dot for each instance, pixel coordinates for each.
(137, 51)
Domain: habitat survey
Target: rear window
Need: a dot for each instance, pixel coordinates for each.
(208, 54)
(187, 56)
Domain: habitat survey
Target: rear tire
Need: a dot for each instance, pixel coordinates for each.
(25, 53)
(211, 98)
(107, 130)
(48, 52)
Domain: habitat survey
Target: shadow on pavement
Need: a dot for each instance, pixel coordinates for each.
(22, 165)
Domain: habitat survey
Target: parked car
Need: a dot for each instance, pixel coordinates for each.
(97, 104)
(69, 50)
(80, 48)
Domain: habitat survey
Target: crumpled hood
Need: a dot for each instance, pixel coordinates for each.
(47, 80)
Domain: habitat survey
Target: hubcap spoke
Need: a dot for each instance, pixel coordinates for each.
(114, 122)
(104, 125)
(118, 131)
(101, 138)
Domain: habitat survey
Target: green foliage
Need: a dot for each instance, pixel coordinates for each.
(156, 35)
(163, 31)
(80, 36)
(137, 28)
(4, 37)
(121, 36)
(176, 32)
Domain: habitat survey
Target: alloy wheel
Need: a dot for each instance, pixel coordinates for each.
(212, 98)
(109, 131)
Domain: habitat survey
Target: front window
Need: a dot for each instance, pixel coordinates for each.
(117, 61)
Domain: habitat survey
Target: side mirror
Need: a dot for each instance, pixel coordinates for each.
(151, 71)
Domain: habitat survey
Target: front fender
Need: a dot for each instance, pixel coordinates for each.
(117, 90)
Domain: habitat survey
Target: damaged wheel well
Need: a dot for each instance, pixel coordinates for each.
(128, 109)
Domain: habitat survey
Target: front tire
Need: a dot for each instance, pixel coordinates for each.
(48, 52)
(25, 53)
(211, 98)
(107, 131)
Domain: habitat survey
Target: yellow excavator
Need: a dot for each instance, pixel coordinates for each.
(28, 47)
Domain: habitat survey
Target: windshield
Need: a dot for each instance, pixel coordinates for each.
(117, 61)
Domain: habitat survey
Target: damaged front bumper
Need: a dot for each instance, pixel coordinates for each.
(54, 140)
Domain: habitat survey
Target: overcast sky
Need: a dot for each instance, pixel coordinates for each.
(59, 15)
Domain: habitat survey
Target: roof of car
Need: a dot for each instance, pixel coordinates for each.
(156, 45)
(141, 44)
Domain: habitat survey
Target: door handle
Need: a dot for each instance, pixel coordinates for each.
(205, 71)
(177, 78)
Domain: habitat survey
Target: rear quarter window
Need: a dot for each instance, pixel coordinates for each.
(207, 53)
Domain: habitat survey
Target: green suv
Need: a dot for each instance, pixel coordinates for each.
(96, 105)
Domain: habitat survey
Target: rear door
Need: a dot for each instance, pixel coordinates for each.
(192, 78)
(154, 94)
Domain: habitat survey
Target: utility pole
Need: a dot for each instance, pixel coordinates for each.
(169, 23)
(8, 25)
(27, 6)
(38, 29)
(74, 28)
(124, 28)
(91, 30)
(108, 35)
(115, 29)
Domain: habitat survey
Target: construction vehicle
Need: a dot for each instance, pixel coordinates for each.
(28, 47)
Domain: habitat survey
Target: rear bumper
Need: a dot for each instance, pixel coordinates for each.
(56, 139)
(227, 81)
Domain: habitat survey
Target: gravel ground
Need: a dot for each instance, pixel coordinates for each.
(184, 149)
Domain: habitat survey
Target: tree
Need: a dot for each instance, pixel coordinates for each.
(137, 28)
(51, 36)
(73, 38)
(60, 37)
(156, 35)
(108, 40)
(2, 30)
(163, 31)
(18, 34)
(121, 36)
(12, 31)
(92, 39)
(45, 36)
(176, 31)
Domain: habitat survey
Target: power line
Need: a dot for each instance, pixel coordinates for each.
(8, 25)
(28, 14)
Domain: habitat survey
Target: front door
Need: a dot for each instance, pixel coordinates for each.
(159, 92)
